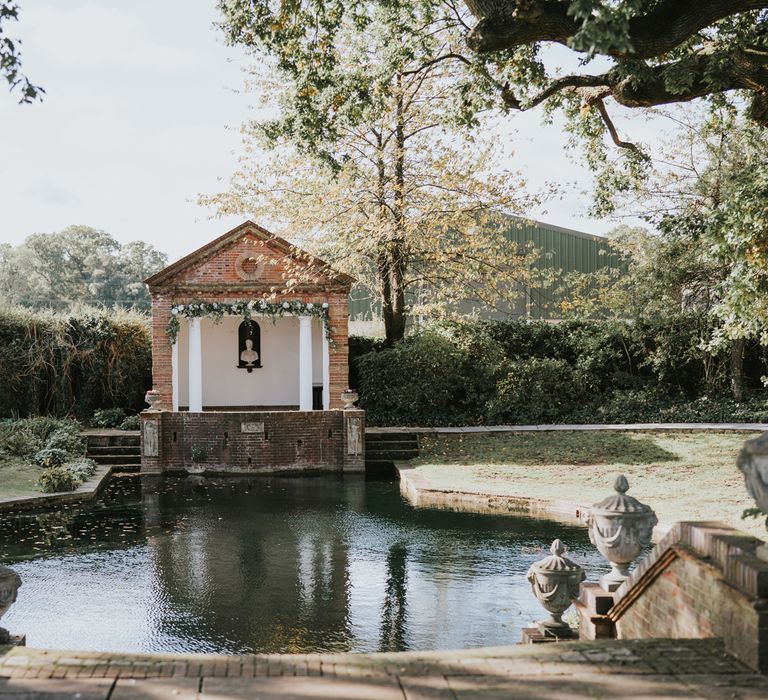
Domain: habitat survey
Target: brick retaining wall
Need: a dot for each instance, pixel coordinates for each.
(253, 442)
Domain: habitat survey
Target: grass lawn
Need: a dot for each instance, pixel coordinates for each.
(681, 475)
(18, 478)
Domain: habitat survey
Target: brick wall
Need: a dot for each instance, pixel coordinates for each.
(281, 441)
(703, 580)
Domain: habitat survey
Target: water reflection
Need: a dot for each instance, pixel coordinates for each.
(273, 565)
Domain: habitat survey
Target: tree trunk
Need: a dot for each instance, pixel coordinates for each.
(737, 368)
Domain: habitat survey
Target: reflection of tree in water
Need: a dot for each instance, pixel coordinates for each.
(393, 617)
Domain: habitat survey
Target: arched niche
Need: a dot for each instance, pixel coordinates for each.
(249, 341)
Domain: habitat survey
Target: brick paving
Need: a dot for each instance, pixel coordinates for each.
(603, 669)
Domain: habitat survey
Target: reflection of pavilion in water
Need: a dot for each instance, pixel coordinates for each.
(232, 578)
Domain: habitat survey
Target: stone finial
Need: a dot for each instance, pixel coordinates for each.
(620, 527)
(753, 464)
(10, 582)
(555, 583)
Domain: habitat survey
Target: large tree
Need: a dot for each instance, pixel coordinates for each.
(369, 167)
(77, 265)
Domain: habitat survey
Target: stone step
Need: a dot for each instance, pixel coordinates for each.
(391, 443)
(116, 459)
(105, 438)
(392, 455)
(388, 437)
(94, 450)
(133, 467)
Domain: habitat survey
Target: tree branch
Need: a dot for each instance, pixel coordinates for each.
(507, 25)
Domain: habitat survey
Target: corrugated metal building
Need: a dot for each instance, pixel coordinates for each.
(560, 248)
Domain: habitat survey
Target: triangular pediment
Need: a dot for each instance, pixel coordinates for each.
(249, 255)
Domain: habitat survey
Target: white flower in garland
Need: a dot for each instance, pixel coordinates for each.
(175, 311)
(181, 307)
(310, 305)
(325, 304)
(286, 305)
(250, 305)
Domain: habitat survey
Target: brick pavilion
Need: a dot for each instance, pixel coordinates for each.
(249, 361)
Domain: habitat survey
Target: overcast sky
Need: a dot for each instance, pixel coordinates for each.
(142, 114)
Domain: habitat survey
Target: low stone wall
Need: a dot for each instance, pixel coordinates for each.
(703, 580)
(252, 441)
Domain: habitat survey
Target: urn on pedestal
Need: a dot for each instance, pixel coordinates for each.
(555, 583)
(620, 527)
(9, 587)
(753, 463)
(153, 398)
(348, 398)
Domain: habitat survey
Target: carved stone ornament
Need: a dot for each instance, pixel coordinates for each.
(555, 583)
(10, 582)
(150, 442)
(249, 267)
(753, 463)
(620, 527)
(348, 398)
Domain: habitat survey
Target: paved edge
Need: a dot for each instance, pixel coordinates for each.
(649, 656)
(712, 427)
(87, 491)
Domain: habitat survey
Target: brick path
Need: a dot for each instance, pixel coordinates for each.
(603, 669)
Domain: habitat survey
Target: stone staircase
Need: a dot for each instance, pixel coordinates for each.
(382, 449)
(118, 449)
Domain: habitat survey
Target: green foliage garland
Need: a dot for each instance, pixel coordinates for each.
(246, 309)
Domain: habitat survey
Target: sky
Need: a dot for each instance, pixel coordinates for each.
(142, 114)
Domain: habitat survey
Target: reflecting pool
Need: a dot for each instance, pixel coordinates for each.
(272, 564)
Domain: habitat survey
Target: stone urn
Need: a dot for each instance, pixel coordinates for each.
(9, 587)
(753, 463)
(555, 583)
(620, 527)
(348, 398)
(153, 398)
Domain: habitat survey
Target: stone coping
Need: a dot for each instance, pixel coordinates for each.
(713, 427)
(420, 492)
(87, 491)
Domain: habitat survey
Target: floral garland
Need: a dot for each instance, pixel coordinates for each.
(245, 309)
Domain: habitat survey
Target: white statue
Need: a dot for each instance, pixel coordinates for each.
(249, 356)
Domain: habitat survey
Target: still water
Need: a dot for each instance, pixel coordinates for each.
(274, 565)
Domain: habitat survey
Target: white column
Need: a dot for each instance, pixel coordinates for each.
(326, 370)
(195, 366)
(305, 363)
(175, 375)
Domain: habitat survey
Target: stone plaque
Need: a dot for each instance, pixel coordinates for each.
(252, 427)
(150, 438)
(354, 436)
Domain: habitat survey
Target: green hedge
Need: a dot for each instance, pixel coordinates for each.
(523, 372)
(57, 364)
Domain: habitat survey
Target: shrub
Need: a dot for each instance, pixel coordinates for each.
(130, 423)
(18, 442)
(53, 457)
(422, 380)
(569, 372)
(53, 362)
(63, 439)
(57, 478)
(536, 390)
(108, 417)
(82, 469)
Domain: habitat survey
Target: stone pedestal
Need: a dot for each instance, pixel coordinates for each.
(592, 607)
(354, 440)
(534, 635)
